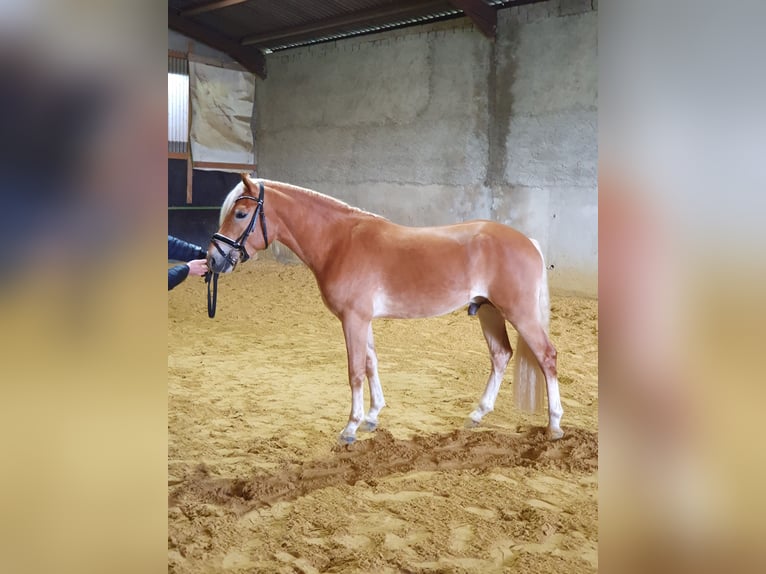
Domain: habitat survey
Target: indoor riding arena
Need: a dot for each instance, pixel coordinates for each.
(426, 113)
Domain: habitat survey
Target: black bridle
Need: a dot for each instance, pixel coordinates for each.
(236, 245)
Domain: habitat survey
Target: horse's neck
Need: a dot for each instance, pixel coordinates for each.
(309, 225)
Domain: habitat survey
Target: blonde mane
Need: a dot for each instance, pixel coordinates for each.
(310, 192)
(239, 190)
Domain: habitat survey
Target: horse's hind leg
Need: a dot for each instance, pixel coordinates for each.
(540, 345)
(377, 402)
(500, 352)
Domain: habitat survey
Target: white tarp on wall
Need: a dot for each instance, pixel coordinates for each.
(222, 105)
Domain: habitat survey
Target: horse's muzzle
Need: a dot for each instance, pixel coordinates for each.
(218, 263)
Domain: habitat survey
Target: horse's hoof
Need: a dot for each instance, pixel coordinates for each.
(554, 434)
(368, 426)
(346, 439)
(470, 423)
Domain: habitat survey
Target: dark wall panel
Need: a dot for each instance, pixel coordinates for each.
(212, 187)
(208, 191)
(176, 182)
(195, 225)
(209, 187)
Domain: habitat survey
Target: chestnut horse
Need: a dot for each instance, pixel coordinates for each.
(368, 267)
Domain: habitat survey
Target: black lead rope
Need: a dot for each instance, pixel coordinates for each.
(212, 278)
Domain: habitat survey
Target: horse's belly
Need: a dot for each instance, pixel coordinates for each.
(417, 305)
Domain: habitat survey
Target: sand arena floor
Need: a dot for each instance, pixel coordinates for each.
(256, 479)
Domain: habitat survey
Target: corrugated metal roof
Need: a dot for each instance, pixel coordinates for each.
(247, 29)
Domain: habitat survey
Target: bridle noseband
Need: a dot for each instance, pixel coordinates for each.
(238, 245)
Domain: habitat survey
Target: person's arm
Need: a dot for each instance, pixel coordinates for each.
(177, 274)
(180, 250)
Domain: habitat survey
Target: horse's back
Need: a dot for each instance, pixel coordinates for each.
(460, 242)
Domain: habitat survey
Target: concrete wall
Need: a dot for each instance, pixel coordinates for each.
(437, 124)
(544, 180)
(396, 125)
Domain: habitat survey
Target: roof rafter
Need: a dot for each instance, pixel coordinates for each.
(482, 14)
(251, 58)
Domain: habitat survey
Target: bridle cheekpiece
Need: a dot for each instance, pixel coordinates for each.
(240, 242)
(211, 278)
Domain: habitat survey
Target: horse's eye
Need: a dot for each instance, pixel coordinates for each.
(240, 214)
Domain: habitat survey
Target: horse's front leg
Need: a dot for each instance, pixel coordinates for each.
(355, 331)
(377, 402)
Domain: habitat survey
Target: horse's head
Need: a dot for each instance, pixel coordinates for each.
(239, 212)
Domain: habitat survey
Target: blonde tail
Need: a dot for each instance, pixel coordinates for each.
(528, 378)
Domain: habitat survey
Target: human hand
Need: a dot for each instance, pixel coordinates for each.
(197, 267)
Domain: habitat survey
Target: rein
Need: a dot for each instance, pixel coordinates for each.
(239, 245)
(211, 278)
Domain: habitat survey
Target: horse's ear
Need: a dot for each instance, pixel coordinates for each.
(246, 181)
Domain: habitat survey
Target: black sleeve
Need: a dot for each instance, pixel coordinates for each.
(177, 274)
(180, 250)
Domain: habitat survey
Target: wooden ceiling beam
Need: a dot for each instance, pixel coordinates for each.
(251, 58)
(210, 6)
(482, 14)
(361, 18)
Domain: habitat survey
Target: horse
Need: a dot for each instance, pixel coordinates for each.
(368, 267)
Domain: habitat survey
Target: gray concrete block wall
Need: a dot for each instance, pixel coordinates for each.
(395, 125)
(547, 70)
(437, 124)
